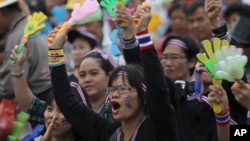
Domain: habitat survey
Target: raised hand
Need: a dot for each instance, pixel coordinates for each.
(123, 16)
(19, 59)
(57, 30)
(218, 95)
(59, 38)
(136, 19)
(35, 24)
(212, 9)
(242, 94)
(144, 13)
(48, 134)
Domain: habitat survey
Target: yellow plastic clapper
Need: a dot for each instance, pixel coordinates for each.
(208, 63)
(217, 44)
(217, 106)
(209, 50)
(35, 24)
(121, 4)
(225, 43)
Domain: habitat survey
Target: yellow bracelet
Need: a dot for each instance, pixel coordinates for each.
(53, 52)
(56, 57)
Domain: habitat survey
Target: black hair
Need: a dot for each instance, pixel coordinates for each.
(104, 64)
(177, 6)
(192, 50)
(12, 7)
(91, 44)
(135, 77)
(241, 9)
(50, 99)
(174, 7)
(191, 8)
(76, 33)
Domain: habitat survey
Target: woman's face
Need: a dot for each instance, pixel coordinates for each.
(175, 63)
(61, 126)
(92, 78)
(79, 49)
(125, 101)
(178, 21)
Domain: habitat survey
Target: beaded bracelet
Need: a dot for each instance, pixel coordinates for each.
(56, 57)
(224, 118)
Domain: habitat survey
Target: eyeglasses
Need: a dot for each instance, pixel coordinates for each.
(172, 58)
(120, 89)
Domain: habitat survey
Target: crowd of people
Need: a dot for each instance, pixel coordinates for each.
(126, 84)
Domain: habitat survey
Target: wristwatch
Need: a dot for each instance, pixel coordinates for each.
(17, 75)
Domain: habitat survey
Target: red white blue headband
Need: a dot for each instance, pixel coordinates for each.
(178, 43)
(124, 73)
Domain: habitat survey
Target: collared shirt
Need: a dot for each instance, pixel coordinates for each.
(36, 110)
(36, 66)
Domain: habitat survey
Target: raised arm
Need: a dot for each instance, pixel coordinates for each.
(218, 94)
(85, 121)
(129, 43)
(23, 94)
(161, 110)
(219, 28)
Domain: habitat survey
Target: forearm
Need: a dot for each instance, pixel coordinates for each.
(220, 31)
(75, 111)
(23, 93)
(158, 97)
(223, 125)
(223, 132)
(131, 51)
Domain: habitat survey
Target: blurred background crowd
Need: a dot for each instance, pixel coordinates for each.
(185, 20)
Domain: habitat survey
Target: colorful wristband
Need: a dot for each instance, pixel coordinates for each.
(144, 40)
(56, 57)
(126, 44)
(224, 118)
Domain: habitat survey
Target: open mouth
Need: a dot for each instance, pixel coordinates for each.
(115, 105)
